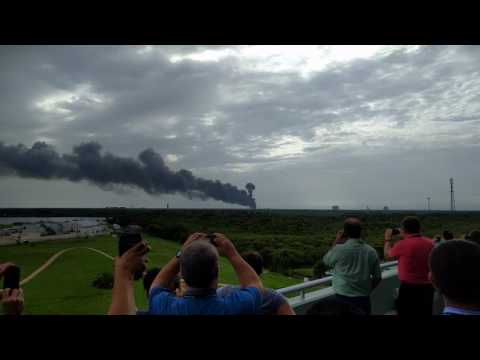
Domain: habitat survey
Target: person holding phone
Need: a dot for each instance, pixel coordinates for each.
(126, 267)
(356, 266)
(12, 295)
(415, 295)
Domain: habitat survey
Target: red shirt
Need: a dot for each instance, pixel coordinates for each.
(412, 253)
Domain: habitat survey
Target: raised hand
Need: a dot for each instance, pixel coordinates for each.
(12, 301)
(224, 246)
(133, 260)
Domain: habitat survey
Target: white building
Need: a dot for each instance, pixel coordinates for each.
(92, 227)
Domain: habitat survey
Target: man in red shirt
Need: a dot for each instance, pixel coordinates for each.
(415, 295)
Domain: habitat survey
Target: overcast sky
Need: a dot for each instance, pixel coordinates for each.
(310, 126)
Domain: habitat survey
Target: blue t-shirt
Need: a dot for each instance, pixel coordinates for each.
(164, 302)
(271, 300)
(451, 310)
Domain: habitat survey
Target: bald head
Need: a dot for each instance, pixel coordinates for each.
(352, 228)
(199, 264)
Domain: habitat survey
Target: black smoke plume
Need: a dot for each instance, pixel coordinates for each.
(87, 162)
(250, 187)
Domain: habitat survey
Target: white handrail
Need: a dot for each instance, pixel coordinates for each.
(314, 283)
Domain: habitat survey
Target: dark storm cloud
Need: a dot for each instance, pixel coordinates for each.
(148, 173)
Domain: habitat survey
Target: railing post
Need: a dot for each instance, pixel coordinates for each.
(302, 292)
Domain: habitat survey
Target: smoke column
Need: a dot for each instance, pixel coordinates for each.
(250, 187)
(87, 162)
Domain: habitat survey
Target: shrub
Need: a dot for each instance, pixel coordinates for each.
(285, 259)
(319, 269)
(267, 255)
(302, 273)
(104, 281)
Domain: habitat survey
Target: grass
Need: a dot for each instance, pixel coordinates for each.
(303, 272)
(66, 286)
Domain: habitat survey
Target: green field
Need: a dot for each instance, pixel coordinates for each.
(65, 287)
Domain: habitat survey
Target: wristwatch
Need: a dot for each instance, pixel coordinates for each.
(179, 253)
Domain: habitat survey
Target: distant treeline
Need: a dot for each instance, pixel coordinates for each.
(287, 239)
(117, 211)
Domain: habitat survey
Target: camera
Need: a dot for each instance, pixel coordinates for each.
(395, 231)
(211, 237)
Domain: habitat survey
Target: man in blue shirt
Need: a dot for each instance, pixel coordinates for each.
(273, 303)
(198, 264)
(455, 272)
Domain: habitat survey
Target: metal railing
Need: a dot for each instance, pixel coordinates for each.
(317, 282)
(382, 298)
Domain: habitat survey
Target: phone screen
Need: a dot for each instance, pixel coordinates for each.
(12, 278)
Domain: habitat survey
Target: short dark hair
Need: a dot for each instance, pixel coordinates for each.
(255, 260)
(474, 236)
(352, 228)
(149, 276)
(448, 235)
(199, 264)
(331, 306)
(455, 268)
(411, 225)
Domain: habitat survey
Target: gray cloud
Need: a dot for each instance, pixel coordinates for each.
(242, 124)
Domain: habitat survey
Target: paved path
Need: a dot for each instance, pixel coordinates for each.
(55, 257)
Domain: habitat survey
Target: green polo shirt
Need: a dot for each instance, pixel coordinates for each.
(355, 264)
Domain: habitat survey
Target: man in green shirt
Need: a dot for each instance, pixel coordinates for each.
(356, 266)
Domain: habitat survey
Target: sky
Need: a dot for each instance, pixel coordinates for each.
(310, 126)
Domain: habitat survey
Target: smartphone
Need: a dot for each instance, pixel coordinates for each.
(12, 278)
(126, 241)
